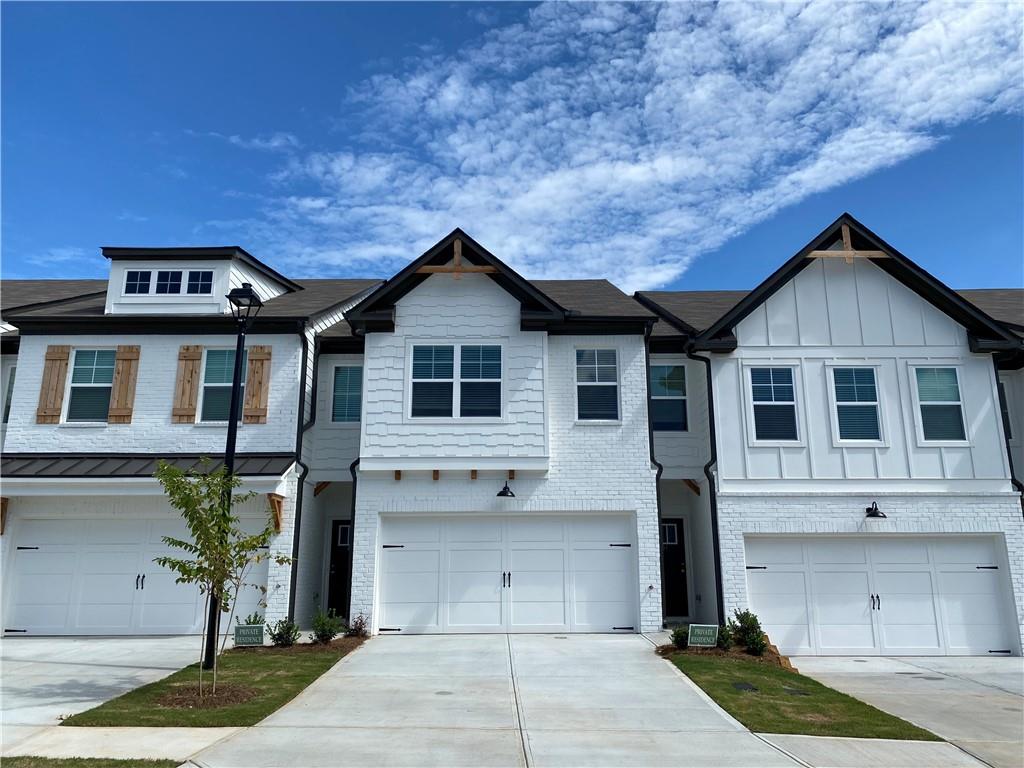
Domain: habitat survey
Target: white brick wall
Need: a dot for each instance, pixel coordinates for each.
(594, 468)
(151, 430)
(279, 576)
(822, 513)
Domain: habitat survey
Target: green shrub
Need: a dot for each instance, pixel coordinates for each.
(746, 631)
(357, 628)
(680, 636)
(253, 619)
(724, 638)
(284, 633)
(326, 626)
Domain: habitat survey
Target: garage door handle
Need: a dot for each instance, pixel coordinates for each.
(143, 581)
(510, 578)
(136, 581)
(878, 602)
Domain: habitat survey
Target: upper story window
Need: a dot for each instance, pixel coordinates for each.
(92, 377)
(168, 281)
(857, 404)
(200, 281)
(668, 398)
(348, 393)
(218, 370)
(597, 385)
(434, 394)
(8, 393)
(137, 281)
(1004, 408)
(774, 404)
(938, 395)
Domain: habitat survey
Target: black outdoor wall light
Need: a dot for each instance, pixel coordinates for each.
(873, 510)
(506, 492)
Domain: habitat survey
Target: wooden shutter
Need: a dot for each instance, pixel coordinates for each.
(257, 385)
(186, 388)
(51, 391)
(122, 392)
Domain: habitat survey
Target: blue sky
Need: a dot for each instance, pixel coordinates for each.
(690, 146)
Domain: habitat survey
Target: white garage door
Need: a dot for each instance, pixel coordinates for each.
(892, 595)
(97, 577)
(511, 574)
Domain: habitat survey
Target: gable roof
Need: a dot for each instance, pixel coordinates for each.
(200, 253)
(985, 334)
(15, 294)
(559, 306)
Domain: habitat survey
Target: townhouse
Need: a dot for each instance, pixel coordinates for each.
(459, 449)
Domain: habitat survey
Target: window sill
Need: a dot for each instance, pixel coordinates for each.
(343, 424)
(598, 422)
(671, 431)
(860, 443)
(921, 443)
(777, 444)
(82, 424)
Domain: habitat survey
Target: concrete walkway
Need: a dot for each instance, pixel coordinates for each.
(974, 702)
(496, 700)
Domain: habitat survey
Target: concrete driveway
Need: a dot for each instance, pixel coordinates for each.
(975, 702)
(497, 700)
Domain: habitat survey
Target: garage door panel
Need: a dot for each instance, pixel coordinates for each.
(411, 560)
(601, 586)
(841, 638)
(525, 560)
(34, 532)
(780, 608)
(601, 616)
(908, 609)
(902, 551)
(473, 586)
(604, 529)
(969, 582)
(411, 531)
(842, 608)
(841, 583)
(413, 587)
(475, 560)
(465, 613)
(605, 559)
(776, 583)
(770, 551)
(480, 531)
(536, 531)
(46, 588)
(537, 586)
(839, 551)
(968, 551)
(971, 608)
(548, 614)
(116, 531)
(907, 636)
(894, 583)
(409, 615)
(978, 638)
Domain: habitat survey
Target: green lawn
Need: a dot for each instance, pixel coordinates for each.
(84, 762)
(275, 676)
(785, 702)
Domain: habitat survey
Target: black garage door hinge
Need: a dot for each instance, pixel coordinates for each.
(631, 629)
(393, 546)
(390, 629)
(757, 567)
(27, 547)
(1004, 650)
(986, 567)
(620, 545)
(15, 630)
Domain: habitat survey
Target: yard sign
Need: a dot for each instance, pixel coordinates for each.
(702, 635)
(248, 634)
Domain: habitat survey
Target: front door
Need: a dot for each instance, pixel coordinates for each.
(338, 587)
(673, 569)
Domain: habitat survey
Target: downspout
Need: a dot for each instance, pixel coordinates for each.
(351, 560)
(654, 461)
(1006, 441)
(300, 430)
(713, 496)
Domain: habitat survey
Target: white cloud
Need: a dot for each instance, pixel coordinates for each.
(279, 141)
(623, 141)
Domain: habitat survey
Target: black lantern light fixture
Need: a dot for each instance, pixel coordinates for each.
(506, 492)
(245, 304)
(874, 511)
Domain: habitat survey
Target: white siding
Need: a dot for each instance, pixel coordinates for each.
(684, 454)
(332, 446)
(182, 304)
(266, 287)
(151, 430)
(1013, 385)
(854, 314)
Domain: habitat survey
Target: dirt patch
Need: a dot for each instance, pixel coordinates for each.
(340, 643)
(186, 696)
(771, 655)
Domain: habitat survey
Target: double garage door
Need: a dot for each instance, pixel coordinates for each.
(72, 576)
(889, 595)
(507, 574)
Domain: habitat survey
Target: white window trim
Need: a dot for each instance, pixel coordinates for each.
(183, 296)
(685, 397)
(330, 400)
(576, 384)
(456, 379)
(67, 388)
(798, 398)
(149, 285)
(830, 385)
(187, 273)
(919, 423)
(182, 278)
(202, 391)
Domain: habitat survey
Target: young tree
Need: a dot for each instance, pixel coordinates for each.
(219, 555)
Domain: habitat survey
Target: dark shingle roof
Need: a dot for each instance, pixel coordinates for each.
(698, 309)
(21, 293)
(1003, 304)
(596, 298)
(134, 465)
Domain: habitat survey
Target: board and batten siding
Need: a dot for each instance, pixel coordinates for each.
(1013, 386)
(684, 454)
(838, 314)
(442, 310)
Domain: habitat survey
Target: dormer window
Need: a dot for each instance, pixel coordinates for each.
(200, 281)
(137, 281)
(168, 281)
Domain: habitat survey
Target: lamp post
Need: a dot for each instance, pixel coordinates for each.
(245, 305)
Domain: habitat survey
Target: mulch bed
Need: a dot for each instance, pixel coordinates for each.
(771, 655)
(186, 695)
(349, 643)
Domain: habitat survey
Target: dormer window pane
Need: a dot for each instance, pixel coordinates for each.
(200, 281)
(168, 281)
(137, 281)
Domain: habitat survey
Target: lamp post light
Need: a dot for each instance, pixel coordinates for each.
(245, 305)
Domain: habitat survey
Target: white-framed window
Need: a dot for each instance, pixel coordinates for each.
(346, 405)
(668, 398)
(939, 404)
(92, 377)
(857, 410)
(1004, 409)
(215, 395)
(200, 281)
(168, 281)
(9, 392)
(136, 281)
(442, 390)
(597, 385)
(669, 533)
(773, 403)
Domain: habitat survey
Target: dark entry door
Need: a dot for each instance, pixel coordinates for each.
(673, 568)
(338, 585)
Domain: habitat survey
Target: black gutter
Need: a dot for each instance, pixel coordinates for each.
(1006, 441)
(300, 431)
(712, 496)
(654, 461)
(351, 560)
